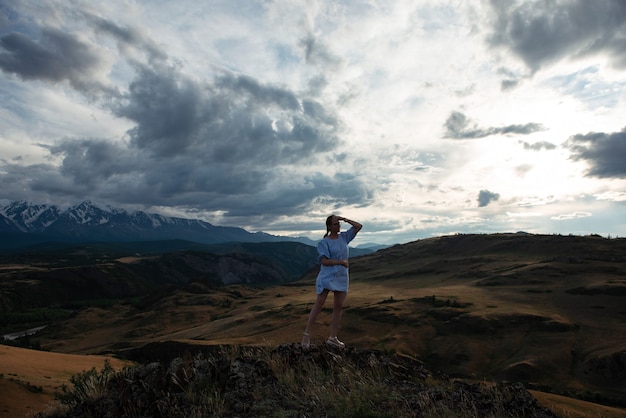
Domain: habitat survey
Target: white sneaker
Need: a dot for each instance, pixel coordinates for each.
(335, 342)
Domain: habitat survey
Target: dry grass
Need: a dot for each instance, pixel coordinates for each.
(31, 378)
(566, 407)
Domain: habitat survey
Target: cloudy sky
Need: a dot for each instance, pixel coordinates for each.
(418, 118)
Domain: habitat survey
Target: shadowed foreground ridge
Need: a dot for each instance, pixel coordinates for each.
(181, 380)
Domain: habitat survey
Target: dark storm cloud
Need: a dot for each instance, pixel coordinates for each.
(113, 171)
(604, 152)
(261, 95)
(541, 32)
(228, 121)
(18, 182)
(331, 191)
(168, 111)
(458, 126)
(55, 57)
(89, 162)
(230, 143)
(211, 146)
(485, 197)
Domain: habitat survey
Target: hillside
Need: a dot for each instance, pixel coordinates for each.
(63, 275)
(544, 310)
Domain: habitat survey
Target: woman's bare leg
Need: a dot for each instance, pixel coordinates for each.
(315, 311)
(339, 298)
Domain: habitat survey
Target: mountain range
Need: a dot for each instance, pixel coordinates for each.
(23, 224)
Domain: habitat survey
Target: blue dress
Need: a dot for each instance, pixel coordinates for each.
(334, 278)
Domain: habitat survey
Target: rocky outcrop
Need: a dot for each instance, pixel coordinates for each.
(291, 382)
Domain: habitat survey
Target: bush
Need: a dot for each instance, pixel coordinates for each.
(87, 386)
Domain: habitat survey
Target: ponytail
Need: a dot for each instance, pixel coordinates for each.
(329, 221)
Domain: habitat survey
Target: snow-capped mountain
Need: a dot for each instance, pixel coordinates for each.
(27, 217)
(22, 222)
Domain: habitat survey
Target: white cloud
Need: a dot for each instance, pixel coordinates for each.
(612, 196)
(569, 216)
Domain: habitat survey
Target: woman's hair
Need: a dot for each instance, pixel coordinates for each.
(329, 222)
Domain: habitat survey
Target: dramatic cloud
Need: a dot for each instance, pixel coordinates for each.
(236, 120)
(271, 115)
(458, 126)
(206, 146)
(605, 153)
(541, 32)
(214, 144)
(56, 57)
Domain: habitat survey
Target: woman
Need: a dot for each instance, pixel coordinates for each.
(333, 275)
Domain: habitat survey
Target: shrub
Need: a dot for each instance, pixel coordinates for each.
(87, 386)
(289, 382)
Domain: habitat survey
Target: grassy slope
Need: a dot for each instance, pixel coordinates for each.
(568, 407)
(511, 282)
(31, 378)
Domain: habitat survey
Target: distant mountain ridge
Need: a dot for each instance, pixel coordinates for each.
(23, 224)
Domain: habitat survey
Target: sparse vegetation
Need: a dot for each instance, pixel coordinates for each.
(288, 382)
(88, 386)
(441, 302)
